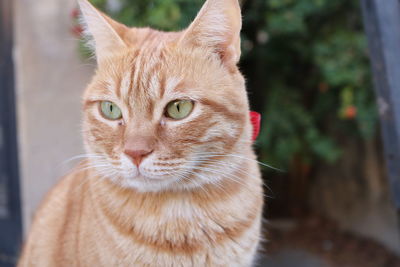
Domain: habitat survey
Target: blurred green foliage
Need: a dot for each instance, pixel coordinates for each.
(306, 66)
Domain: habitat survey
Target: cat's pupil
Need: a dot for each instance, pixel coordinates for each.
(111, 108)
(177, 107)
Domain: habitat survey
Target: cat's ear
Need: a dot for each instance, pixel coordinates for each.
(102, 33)
(217, 27)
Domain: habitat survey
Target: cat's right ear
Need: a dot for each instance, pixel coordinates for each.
(217, 28)
(101, 32)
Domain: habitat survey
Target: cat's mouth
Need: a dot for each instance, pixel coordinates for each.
(147, 174)
(149, 183)
(155, 175)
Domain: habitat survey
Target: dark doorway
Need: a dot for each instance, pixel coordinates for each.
(10, 208)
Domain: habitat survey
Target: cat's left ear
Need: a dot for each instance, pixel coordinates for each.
(217, 27)
(102, 32)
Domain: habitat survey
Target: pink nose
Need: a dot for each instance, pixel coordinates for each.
(137, 156)
(139, 147)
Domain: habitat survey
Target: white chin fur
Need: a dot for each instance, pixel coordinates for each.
(143, 184)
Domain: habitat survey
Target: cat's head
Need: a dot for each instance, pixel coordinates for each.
(166, 110)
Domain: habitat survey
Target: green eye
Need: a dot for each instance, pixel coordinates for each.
(179, 109)
(110, 110)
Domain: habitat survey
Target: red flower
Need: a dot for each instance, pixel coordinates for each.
(350, 112)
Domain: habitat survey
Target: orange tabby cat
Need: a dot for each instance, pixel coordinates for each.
(170, 177)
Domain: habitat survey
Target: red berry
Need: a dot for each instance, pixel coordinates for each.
(77, 30)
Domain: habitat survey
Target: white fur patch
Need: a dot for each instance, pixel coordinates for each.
(171, 84)
(125, 85)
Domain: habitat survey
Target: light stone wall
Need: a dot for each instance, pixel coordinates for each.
(50, 77)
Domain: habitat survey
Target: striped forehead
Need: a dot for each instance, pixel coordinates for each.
(139, 77)
(142, 83)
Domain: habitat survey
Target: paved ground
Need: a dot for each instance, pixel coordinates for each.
(320, 242)
(293, 258)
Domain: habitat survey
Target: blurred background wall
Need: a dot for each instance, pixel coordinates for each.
(50, 78)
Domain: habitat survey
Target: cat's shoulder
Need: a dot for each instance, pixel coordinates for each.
(61, 194)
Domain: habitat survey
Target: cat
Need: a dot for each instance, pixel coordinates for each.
(170, 176)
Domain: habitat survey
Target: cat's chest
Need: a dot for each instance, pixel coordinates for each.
(178, 225)
(114, 231)
(181, 233)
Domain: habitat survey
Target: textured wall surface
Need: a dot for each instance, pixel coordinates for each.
(50, 78)
(355, 193)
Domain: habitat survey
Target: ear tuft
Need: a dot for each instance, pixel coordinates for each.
(100, 31)
(217, 27)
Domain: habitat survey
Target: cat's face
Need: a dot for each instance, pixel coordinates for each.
(161, 115)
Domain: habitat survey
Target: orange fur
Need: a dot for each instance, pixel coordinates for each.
(196, 199)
